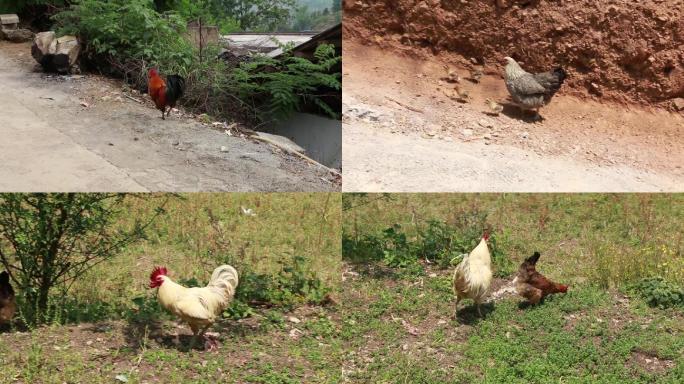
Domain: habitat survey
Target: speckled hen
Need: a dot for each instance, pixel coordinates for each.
(532, 91)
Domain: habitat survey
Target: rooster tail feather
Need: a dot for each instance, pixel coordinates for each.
(534, 258)
(174, 87)
(225, 279)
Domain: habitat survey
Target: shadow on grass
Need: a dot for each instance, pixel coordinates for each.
(468, 315)
(375, 270)
(178, 335)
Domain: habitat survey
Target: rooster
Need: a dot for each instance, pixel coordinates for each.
(164, 93)
(8, 304)
(473, 275)
(532, 91)
(532, 285)
(199, 307)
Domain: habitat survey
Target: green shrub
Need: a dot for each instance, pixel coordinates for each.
(117, 32)
(436, 242)
(659, 293)
(277, 87)
(294, 284)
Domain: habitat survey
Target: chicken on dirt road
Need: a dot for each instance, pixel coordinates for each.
(532, 91)
(164, 92)
(89, 133)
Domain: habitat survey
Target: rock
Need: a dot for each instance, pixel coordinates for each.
(595, 88)
(224, 148)
(293, 319)
(282, 141)
(58, 54)
(44, 47)
(467, 132)
(485, 124)
(19, 35)
(678, 104)
(525, 135)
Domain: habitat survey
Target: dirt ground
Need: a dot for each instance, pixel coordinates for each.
(83, 133)
(403, 132)
(619, 50)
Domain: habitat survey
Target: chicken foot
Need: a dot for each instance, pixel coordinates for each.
(458, 300)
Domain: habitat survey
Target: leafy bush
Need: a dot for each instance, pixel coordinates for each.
(48, 241)
(436, 242)
(279, 86)
(294, 284)
(659, 293)
(119, 31)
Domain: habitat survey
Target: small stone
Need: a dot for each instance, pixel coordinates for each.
(224, 148)
(293, 319)
(467, 132)
(294, 333)
(484, 123)
(678, 104)
(525, 135)
(595, 88)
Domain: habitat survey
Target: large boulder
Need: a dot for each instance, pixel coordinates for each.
(55, 54)
(19, 35)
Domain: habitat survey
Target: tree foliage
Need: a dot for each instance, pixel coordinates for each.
(49, 240)
(247, 15)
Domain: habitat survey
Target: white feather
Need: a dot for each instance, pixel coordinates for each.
(476, 272)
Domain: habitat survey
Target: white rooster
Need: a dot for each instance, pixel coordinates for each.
(473, 275)
(199, 307)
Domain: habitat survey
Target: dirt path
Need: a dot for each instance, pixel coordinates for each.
(403, 133)
(51, 142)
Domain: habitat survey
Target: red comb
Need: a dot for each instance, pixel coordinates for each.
(158, 271)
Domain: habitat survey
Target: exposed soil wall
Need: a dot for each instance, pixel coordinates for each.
(620, 50)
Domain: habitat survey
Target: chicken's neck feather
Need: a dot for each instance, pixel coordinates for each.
(514, 71)
(168, 292)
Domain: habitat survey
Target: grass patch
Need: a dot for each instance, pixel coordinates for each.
(405, 331)
(288, 253)
(611, 326)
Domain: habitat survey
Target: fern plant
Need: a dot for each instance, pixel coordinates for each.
(281, 86)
